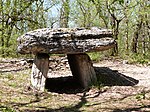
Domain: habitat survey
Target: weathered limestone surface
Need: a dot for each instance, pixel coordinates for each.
(73, 42)
(65, 41)
(40, 69)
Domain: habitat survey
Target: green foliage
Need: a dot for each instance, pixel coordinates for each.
(9, 51)
(95, 56)
(6, 109)
(140, 96)
(136, 58)
(139, 58)
(129, 21)
(16, 18)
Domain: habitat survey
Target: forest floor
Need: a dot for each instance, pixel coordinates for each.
(121, 87)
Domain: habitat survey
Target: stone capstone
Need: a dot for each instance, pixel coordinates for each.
(65, 41)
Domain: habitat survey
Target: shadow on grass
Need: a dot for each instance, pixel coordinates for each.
(74, 108)
(108, 77)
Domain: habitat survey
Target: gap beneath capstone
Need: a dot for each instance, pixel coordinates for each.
(60, 78)
(81, 68)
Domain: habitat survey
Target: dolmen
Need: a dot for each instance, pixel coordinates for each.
(74, 42)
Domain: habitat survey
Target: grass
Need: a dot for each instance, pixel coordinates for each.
(136, 58)
(16, 95)
(97, 56)
(6, 109)
(139, 58)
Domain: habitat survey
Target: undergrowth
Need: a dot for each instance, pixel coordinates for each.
(131, 58)
(6, 109)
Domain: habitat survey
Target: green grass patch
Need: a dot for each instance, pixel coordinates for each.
(95, 56)
(6, 109)
(138, 58)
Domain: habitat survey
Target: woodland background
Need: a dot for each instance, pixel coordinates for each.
(129, 20)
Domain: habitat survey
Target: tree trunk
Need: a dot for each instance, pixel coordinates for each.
(9, 32)
(64, 14)
(115, 27)
(136, 37)
(127, 36)
(135, 42)
(82, 69)
(2, 27)
(39, 71)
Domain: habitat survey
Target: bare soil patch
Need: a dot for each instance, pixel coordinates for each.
(120, 88)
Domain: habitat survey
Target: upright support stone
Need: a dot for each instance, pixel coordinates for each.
(82, 69)
(39, 71)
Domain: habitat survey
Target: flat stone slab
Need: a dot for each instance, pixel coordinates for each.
(65, 41)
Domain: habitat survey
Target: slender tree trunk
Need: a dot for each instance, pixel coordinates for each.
(127, 36)
(136, 37)
(64, 14)
(2, 34)
(144, 39)
(148, 34)
(9, 32)
(116, 32)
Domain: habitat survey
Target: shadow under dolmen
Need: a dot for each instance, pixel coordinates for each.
(105, 77)
(108, 77)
